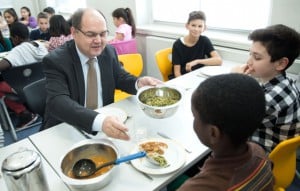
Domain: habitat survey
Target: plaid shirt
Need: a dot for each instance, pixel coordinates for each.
(282, 119)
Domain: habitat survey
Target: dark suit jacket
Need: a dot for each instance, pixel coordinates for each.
(65, 85)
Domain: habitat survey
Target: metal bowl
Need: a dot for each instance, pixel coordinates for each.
(165, 100)
(85, 149)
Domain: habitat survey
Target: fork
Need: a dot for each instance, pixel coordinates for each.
(143, 173)
(127, 117)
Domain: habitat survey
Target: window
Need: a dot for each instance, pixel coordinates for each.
(227, 14)
(66, 6)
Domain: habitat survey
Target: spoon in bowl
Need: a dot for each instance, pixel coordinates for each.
(86, 167)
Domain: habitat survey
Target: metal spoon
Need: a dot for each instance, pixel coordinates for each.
(86, 167)
(152, 159)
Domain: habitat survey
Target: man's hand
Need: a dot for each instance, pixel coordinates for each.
(148, 81)
(114, 128)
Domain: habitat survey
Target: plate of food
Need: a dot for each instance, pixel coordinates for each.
(113, 111)
(168, 154)
(213, 70)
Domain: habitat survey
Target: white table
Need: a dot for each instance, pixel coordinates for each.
(54, 182)
(54, 142)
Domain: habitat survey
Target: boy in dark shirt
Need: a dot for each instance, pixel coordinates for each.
(227, 109)
(42, 33)
(194, 50)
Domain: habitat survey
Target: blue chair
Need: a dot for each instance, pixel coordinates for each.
(18, 77)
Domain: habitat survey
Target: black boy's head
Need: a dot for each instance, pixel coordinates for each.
(280, 41)
(19, 33)
(234, 103)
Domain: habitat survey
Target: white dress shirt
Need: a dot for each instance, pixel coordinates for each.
(97, 124)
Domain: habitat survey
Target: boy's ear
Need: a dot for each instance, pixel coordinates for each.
(186, 25)
(215, 134)
(281, 64)
(205, 26)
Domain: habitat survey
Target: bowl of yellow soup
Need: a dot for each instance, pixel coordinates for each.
(99, 151)
(159, 102)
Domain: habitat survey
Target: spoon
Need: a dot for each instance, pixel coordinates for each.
(157, 160)
(86, 167)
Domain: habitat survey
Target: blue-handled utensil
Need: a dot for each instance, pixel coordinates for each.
(86, 167)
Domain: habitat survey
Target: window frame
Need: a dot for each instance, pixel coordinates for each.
(235, 30)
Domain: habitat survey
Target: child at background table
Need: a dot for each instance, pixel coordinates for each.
(273, 51)
(193, 50)
(42, 33)
(4, 26)
(60, 32)
(224, 122)
(10, 16)
(27, 19)
(124, 21)
(25, 52)
(5, 43)
(50, 11)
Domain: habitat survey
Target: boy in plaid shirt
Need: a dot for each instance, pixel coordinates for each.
(273, 50)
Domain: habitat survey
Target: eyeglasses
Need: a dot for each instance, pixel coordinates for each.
(94, 35)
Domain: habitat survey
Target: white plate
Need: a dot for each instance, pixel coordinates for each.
(213, 70)
(113, 111)
(174, 154)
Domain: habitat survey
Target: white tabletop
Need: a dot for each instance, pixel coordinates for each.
(54, 182)
(53, 143)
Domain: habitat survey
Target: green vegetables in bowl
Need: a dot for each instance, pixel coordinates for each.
(160, 97)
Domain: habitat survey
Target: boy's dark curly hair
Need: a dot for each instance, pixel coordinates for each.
(235, 103)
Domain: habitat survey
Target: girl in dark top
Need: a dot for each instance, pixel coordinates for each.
(193, 50)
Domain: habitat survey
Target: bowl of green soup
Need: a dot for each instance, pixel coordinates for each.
(159, 102)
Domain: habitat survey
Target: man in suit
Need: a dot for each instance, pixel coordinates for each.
(67, 75)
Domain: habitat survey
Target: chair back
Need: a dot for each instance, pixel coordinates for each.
(283, 157)
(132, 63)
(35, 96)
(20, 76)
(164, 62)
(125, 47)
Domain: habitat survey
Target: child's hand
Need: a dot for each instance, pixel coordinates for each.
(189, 65)
(242, 69)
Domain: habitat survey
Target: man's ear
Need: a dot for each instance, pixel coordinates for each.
(281, 64)
(73, 30)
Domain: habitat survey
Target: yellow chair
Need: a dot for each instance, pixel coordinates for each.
(283, 157)
(132, 63)
(164, 62)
